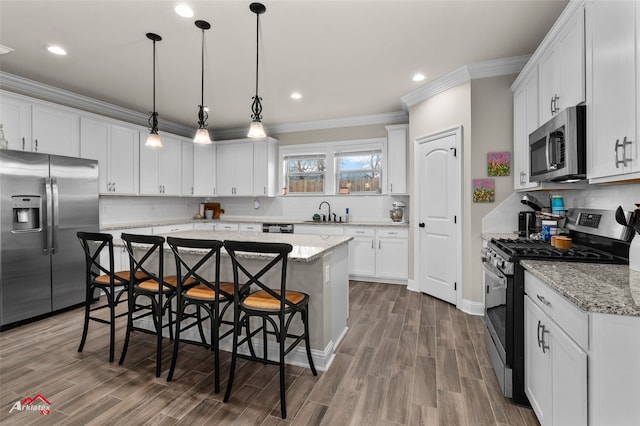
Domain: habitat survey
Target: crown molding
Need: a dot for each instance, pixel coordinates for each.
(24, 86)
(477, 70)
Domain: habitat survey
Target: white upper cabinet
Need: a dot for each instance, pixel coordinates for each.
(116, 147)
(204, 170)
(562, 69)
(612, 87)
(265, 167)
(187, 168)
(37, 126)
(55, 130)
(397, 137)
(161, 168)
(525, 121)
(234, 174)
(15, 116)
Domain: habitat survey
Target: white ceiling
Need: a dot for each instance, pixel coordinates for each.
(348, 58)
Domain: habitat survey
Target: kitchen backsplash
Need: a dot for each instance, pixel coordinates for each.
(504, 217)
(364, 208)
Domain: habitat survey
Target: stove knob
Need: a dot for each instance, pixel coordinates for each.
(502, 263)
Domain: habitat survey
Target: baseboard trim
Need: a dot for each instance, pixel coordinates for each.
(472, 308)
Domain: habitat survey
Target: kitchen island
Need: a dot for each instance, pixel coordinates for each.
(318, 266)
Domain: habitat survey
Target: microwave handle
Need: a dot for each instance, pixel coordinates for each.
(546, 152)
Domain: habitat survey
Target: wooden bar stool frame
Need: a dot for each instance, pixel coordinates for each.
(284, 313)
(98, 277)
(157, 288)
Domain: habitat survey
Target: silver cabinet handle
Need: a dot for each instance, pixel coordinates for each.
(359, 232)
(393, 233)
(544, 345)
(540, 326)
(379, 244)
(551, 105)
(264, 190)
(391, 187)
(23, 144)
(36, 145)
(543, 300)
(372, 247)
(113, 186)
(622, 145)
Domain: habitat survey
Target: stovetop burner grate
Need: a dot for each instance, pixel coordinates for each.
(534, 249)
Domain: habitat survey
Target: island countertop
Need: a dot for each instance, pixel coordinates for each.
(306, 248)
(592, 287)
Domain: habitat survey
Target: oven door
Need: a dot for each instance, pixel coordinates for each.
(495, 316)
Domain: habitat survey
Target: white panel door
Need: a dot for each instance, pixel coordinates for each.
(392, 258)
(55, 131)
(244, 169)
(124, 164)
(204, 170)
(171, 166)
(149, 168)
(187, 167)
(15, 116)
(362, 256)
(537, 362)
(95, 136)
(225, 173)
(439, 196)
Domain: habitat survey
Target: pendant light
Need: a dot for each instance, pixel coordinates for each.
(202, 134)
(153, 139)
(256, 130)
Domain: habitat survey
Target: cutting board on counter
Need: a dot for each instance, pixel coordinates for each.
(216, 209)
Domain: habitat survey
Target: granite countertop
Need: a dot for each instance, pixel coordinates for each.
(592, 287)
(489, 235)
(141, 224)
(306, 248)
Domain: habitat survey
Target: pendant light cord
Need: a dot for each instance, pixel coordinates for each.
(257, 48)
(202, 71)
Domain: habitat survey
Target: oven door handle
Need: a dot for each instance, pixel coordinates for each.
(501, 278)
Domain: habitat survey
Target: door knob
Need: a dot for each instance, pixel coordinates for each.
(421, 224)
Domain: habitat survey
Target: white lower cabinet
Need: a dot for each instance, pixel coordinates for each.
(165, 229)
(556, 341)
(222, 226)
(250, 227)
(208, 226)
(120, 256)
(378, 254)
(318, 229)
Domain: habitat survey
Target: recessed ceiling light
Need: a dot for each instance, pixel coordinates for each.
(296, 95)
(418, 77)
(56, 50)
(184, 11)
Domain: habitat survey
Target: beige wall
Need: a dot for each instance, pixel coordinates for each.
(484, 109)
(330, 135)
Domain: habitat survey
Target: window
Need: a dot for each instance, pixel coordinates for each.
(359, 171)
(305, 173)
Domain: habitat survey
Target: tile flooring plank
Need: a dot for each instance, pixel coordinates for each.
(310, 414)
(447, 375)
(478, 408)
(370, 401)
(425, 389)
(329, 381)
(397, 403)
(450, 409)
(421, 415)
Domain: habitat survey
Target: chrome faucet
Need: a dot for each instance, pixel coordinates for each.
(329, 206)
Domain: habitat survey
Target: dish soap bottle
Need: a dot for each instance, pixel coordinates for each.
(346, 216)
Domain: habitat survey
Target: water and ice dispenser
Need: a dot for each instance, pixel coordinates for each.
(26, 212)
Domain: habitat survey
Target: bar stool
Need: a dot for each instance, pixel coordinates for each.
(100, 275)
(276, 307)
(213, 296)
(146, 255)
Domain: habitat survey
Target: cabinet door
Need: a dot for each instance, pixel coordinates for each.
(537, 363)
(94, 144)
(204, 170)
(55, 130)
(15, 116)
(525, 121)
(569, 379)
(549, 84)
(397, 159)
(392, 259)
(123, 161)
(243, 169)
(265, 167)
(225, 173)
(171, 166)
(362, 256)
(612, 115)
(187, 168)
(571, 59)
(149, 168)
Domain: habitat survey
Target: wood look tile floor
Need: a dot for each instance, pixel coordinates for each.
(408, 359)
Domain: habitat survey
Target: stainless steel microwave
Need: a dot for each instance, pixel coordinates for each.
(558, 149)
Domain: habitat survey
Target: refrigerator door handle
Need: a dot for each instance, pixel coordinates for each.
(56, 216)
(47, 216)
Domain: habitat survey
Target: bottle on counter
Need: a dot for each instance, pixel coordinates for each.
(346, 216)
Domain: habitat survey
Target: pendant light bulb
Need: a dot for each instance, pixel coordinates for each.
(202, 134)
(153, 140)
(256, 130)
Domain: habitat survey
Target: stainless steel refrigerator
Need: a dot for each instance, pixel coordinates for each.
(44, 201)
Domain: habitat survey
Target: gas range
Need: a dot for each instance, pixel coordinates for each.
(596, 237)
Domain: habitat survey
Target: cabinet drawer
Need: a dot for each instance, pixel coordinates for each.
(227, 227)
(250, 227)
(359, 231)
(172, 228)
(393, 232)
(572, 320)
(203, 226)
(318, 230)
